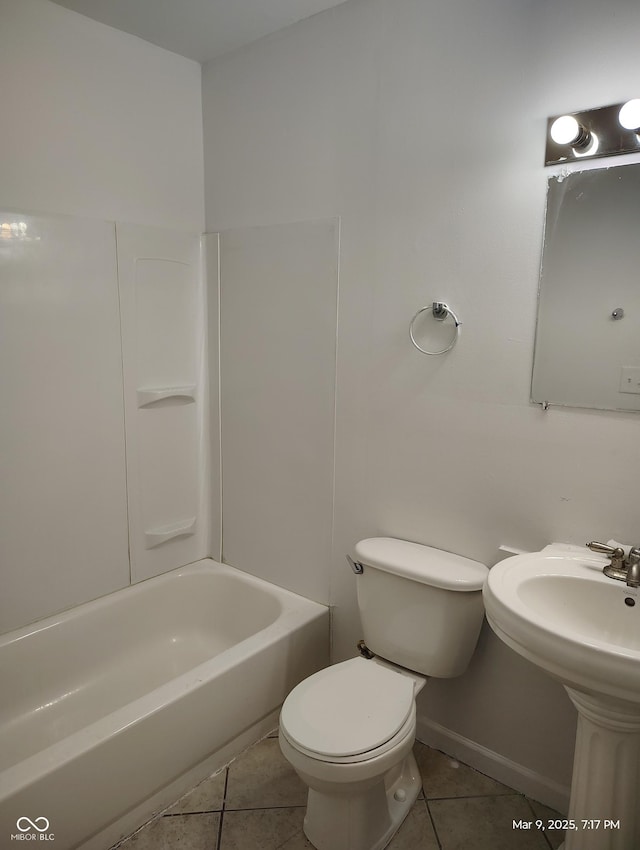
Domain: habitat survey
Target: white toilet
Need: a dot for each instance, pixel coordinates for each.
(349, 730)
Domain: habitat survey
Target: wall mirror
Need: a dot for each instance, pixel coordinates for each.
(587, 350)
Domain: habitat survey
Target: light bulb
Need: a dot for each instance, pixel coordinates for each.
(565, 130)
(629, 115)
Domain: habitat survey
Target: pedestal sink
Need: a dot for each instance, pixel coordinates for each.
(557, 609)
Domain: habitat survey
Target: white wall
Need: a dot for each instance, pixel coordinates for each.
(423, 126)
(96, 125)
(96, 122)
(278, 293)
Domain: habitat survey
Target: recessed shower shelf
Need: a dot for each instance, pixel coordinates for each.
(160, 535)
(149, 396)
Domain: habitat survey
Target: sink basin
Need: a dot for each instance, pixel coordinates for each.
(560, 611)
(557, 609)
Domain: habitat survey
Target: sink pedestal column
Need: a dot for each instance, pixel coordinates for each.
(606, 775)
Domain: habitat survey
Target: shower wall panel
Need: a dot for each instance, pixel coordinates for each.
(163, 352)
(63, 516)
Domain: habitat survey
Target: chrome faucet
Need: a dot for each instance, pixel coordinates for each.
(633, 572)
(621, 568)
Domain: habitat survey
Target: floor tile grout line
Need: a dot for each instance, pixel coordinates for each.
(265, 808)
(533, 812)
(472, 796)
(188, 814)
(433, 824)
(227, 808)
(232, 809)
(224, 800)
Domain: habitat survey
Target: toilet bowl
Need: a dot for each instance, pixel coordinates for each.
(349, 730)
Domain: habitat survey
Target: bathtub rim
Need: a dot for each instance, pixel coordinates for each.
(202, 565)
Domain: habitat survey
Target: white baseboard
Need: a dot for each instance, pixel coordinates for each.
(502, 769)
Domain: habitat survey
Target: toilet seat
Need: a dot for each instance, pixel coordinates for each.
(351, 712)
(408, 730)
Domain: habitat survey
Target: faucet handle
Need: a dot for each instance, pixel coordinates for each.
(601, 547)
(616, 553)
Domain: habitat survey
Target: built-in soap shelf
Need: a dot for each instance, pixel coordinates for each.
(160, 535)
(149, 396)
(508, 549)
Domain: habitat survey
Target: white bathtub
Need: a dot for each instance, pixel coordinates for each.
(110, 711)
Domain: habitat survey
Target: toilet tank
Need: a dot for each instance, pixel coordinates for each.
(420, 607)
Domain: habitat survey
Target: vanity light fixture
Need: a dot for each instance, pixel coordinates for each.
(606, 131)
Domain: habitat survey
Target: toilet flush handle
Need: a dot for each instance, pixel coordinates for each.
(355, 566)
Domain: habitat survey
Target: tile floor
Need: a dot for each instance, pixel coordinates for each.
(257, 803)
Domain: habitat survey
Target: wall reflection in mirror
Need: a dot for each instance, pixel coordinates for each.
(587, 351)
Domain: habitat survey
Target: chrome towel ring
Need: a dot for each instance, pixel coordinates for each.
(440, 311)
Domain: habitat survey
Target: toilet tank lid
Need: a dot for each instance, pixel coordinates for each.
(421, 563)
